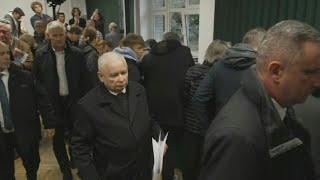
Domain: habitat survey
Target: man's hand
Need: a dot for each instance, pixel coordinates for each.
(49, 133)
(165, 149)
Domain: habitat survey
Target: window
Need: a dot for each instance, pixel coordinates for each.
(177, 4)
(158, 4)
(194, 2)
(180, 16)
(176, 24)
(158, 26)
(192, 34)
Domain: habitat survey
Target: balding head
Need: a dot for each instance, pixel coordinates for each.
(4, 56)
(113, 71)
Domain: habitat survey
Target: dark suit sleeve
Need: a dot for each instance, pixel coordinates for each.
(156, 130)
(229, 156)
(202, 99)
(82, 143)
(44, 106)
(190, 60)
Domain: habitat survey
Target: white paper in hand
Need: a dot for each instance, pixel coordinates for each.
(158, 152)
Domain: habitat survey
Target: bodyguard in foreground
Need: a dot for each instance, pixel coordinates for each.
(255, 135)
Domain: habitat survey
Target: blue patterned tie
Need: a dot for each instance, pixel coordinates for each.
(5, 105)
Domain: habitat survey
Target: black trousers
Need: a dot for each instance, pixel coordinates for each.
(59, 146)
(192, 152)
(28, 151)
(173, 156)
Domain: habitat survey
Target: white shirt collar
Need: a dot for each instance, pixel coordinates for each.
(281, 110)
(5, 72)
(54, 50)
(114, 93)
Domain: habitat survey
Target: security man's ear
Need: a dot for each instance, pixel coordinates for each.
(275, 69)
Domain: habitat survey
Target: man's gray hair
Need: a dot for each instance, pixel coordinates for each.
(254, 37)
(284, 41)
(108, 57)
(171, 35)
(113, 25)
(55, 25)
(4, 22)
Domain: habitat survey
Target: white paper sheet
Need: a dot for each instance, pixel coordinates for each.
(158, 152)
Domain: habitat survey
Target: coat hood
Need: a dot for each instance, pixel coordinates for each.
(165, 47)
(127, 52)
(240, 56)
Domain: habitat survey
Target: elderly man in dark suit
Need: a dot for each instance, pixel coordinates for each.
(21, 98)
(113, 129)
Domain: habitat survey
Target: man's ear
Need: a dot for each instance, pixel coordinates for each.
(100, 76)
(275, 69)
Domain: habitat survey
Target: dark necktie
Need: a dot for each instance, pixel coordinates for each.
(5, 105)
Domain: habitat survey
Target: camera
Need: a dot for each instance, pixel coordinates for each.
(56, 2)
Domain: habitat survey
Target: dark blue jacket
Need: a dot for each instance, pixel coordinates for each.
(222, 81)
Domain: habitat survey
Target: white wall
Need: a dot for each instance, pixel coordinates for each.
(9, 5)
(206, 26)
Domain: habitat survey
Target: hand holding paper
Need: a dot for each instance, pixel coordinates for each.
(159, 149)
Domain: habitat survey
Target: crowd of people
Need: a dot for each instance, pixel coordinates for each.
(108, 95)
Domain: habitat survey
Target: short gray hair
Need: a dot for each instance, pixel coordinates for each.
(107, 57)
(171, 35)
(55, 25)
(254, 37)
(284, 41)
(113, 25)
(6, 23)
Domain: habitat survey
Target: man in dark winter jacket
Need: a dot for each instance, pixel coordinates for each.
(308, 114)
(60, 68)
(256, 135)
(164, 70)
(224, 77)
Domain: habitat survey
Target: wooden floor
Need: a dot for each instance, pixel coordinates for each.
(49, 168)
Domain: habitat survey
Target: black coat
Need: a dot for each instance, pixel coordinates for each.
(249, 141)
(26, 98)
(164, 70)
(82, 22)
(45, 70)
(109, 144)
(91, 57)
(133, 70)
(308, 114)
(194, 76)
(222, 81)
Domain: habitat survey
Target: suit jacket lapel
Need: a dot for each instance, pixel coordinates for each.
(132, 102)
(108, 99)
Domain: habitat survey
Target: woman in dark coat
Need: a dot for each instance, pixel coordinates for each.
(77, 20)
